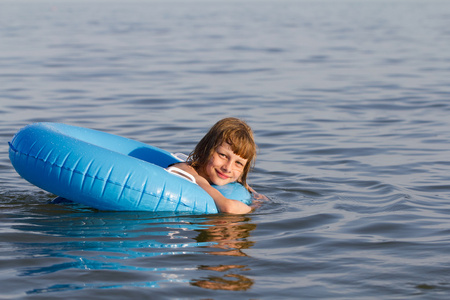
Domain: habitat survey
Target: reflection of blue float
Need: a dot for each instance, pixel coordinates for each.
(108, 172)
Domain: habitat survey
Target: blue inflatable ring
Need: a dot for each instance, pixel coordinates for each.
(108, 172)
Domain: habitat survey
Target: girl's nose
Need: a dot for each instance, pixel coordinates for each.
(227, 166)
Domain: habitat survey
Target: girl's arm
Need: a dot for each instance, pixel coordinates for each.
(223, 204)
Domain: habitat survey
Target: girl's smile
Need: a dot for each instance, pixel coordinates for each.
(224, 166)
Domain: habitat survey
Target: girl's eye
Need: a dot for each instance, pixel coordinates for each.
(240, 164)
(222, 155)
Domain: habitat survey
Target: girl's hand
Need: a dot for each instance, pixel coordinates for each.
(258, 196)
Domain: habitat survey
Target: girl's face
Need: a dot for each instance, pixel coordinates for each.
(224, 166)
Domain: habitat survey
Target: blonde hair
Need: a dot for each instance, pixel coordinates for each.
(232, 131)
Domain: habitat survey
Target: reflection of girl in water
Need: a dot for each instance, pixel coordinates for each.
(224, 155)
(230, 234)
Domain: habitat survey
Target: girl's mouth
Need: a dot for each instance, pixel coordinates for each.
(221, 175)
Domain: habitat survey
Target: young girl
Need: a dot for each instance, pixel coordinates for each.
(225, 154)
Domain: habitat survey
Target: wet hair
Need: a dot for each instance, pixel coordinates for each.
(232, 131)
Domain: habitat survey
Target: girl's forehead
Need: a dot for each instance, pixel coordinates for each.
(226, 146)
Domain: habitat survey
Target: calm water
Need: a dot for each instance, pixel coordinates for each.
(350, 104)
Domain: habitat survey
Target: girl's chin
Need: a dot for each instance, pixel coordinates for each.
(221, 181)
(217, 182)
